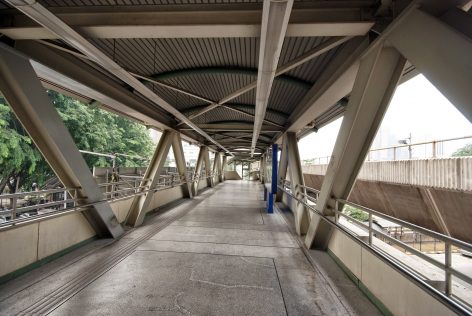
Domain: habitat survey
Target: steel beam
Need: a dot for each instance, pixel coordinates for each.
(313, 53)
(275, 17)
(40, 14)
(208, 169)
(181, 165)
(142, 203)
(334, 84)
(440, 52)
(68, 71)
(223, 166)
(28, 99)
(378, 75)
(198, 169)
(235, 126)
(302, 217)
(186, 21)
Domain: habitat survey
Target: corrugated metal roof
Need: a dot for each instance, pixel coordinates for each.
(181, 53)
(177, 62)
(212, 67)
(74, 3)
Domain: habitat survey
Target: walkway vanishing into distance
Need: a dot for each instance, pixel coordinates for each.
(218, 254)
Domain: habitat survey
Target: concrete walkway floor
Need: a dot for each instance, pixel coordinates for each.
(218, 254)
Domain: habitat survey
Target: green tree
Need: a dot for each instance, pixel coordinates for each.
(92, 129)
(18, 157)
(464, 151)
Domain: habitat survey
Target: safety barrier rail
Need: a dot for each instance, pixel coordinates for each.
(304, 194)
(46, 204)
(431, 150)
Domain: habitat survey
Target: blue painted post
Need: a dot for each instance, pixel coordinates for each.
(273, 183)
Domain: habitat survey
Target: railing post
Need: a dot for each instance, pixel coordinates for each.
(370, 229)
(448, 264)
(13, 208)
(65, 199)
(336, 210)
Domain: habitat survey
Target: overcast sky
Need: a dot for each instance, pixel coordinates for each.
(417, 108)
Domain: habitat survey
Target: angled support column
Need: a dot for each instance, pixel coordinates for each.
(198, 169)
(302, 217)
(28, 99)
(216, 168)
(440, 52)
(283, 166)
(208, 169)
(223, 166)
(181, 165)
(376, 80)
(219, 168)
(142, 203)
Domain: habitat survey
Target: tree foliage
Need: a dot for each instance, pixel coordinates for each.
(18, 157)
(464, 151)
(92, 129)
(356, 213)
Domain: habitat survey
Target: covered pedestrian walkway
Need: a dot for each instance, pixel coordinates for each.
(217, 254)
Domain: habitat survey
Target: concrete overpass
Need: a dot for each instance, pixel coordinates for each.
(240, 80)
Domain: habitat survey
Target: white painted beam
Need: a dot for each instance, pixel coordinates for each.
(179, 156)
(376, 81)
(275, 17)
(44, 17)
(192, 31)
(313, 53)
(142, 203)
(33, 108)
(302, 217)
(441, 53)
(334, 83)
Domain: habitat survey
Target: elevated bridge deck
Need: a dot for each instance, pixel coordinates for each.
(218, 254)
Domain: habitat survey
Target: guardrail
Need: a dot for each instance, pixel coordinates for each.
(51, 203)
(430, 151)
(310, 194)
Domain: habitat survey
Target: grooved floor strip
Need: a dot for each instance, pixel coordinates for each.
(122, 248)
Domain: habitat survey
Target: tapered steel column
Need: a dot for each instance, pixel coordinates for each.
(302, 217)
(181, 165)
(28, 99)
(375, 83)
(142, 203)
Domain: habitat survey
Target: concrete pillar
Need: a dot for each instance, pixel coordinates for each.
(375, 83)
(29, 101)
(142, 203)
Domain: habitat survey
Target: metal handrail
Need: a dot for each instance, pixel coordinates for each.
(456, 242)
(432, 142)
(449, 242)
(109, 197)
